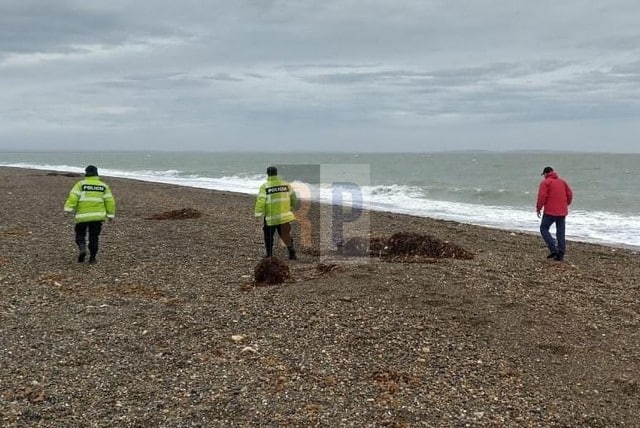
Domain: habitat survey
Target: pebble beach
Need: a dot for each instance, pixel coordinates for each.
(169, 329)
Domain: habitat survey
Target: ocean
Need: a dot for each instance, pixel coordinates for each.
(483, 188)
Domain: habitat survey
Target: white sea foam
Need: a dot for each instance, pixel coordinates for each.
(593, 226)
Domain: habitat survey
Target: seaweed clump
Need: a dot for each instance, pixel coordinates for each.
(354, 247)
(65, 174)
(181, 214)
(271, 271)
(415, 244)
(404, 246)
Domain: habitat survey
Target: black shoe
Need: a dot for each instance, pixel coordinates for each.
(552, 255)
(92, 260)
(558, 257)
(81, 257)
(292, 253)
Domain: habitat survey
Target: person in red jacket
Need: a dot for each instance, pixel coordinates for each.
(554, 198)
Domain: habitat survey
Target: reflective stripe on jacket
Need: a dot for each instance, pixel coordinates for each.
(555, 195)
(91, 200)
(275, 201)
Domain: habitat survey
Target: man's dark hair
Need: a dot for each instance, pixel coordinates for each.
(271, 171)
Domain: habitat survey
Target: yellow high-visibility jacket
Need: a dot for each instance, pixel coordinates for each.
(275, 201)
(91, 200)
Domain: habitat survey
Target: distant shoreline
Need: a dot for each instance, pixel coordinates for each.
(511, 230)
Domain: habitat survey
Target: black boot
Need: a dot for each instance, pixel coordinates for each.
(292, 253)
(82, 253)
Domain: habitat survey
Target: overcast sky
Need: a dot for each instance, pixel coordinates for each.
(354, 75)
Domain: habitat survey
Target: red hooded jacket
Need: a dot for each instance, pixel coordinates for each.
(555, 195)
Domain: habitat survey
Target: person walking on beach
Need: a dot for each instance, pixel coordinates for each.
(92, 203)
(554, 197)
(274, 204)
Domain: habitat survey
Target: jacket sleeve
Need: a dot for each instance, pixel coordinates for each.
(261, 201)
(72, 200)
(542, 195)
(569, 194)
(109, 203)
(293, 198)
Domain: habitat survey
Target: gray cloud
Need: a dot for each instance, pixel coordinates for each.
(339, 74)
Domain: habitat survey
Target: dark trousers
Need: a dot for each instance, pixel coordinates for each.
(545, 225)
(94, 228)
(284, 232)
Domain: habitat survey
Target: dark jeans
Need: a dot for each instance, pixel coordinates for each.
(545, 225)
(94, 228)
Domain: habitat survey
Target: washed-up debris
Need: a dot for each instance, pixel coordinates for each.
(270, 271)
(354, 247)
(181, 214)
(377, 246)
(65, 174)
(404, 245)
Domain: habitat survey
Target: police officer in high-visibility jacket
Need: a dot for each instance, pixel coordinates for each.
(275, 201)
(92, 203)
